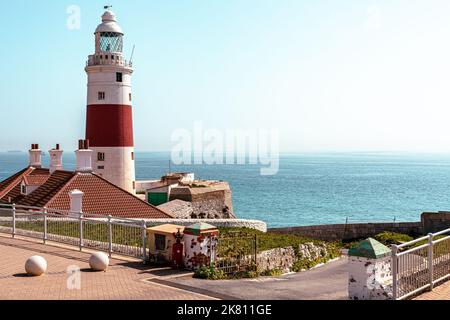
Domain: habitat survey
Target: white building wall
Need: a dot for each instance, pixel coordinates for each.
(101, 79)
(118, 166)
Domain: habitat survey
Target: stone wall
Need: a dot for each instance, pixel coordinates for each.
(278, 258)
(337, 232)
(211, 205)
(435, 221)
(284, 258)
(214, 201)
(430, 222)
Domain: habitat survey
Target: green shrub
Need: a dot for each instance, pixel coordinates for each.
(390, 238)
(305, 264)
(272, 273)
(266, 241)
(209, 273)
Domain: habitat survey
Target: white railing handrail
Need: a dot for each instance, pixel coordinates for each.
(441, 240)
(43, 210)
(26, 214)
(402, 253)
(409, 243)
(423, 260)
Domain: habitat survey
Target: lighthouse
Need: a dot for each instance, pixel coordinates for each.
(109, 123)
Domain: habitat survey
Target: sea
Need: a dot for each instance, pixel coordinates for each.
(311, 189)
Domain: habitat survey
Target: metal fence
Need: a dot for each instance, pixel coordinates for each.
(237, 253)
(420, 264)
(99, 232)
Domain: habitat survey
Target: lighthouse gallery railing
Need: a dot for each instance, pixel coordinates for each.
(99, 232)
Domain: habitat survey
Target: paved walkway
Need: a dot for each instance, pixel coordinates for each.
(124, 280)
(329, 282)
(441, 292)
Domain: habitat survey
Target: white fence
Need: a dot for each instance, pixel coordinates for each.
(102, 233)
(417, 267)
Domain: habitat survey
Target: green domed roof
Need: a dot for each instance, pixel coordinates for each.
(369, 248)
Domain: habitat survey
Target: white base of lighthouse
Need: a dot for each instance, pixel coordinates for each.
(117, 166)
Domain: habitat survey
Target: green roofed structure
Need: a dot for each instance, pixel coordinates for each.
(200, 228)
(369, 248)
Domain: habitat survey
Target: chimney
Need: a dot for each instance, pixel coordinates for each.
(84, 156)
(35, 156)
(55, 159)
(76, 201)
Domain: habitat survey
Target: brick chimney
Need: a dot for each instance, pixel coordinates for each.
(84, 156)
(35, 156)
(55, 159)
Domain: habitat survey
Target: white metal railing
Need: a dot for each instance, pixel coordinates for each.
(99, 232)
(417, 267)
(96, 60)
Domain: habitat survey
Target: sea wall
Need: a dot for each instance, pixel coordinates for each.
(435, 221)
(431, 222)
(338, 232)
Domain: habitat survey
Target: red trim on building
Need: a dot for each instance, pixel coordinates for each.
(109, 125)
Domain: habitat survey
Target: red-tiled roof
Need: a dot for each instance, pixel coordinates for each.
(10, 186)
(9, 183)
(35, 180)
(103, 197)
(42, 195)
(100, 196)
(14, 195)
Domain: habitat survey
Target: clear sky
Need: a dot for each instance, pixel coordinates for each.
(350, 75)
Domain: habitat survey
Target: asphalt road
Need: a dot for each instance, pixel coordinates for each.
(328, 282)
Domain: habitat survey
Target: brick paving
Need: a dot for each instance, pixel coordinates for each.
(124, 280)
(441, 292)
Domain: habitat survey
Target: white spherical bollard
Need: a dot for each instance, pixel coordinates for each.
(99, 261)
(35, 266)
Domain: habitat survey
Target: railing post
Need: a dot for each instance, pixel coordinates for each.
(430, 259)
(45, 225)
(256, 252)
(110, 247)
(81, 230)
(144, 242)
(14, 220)
(394, 271)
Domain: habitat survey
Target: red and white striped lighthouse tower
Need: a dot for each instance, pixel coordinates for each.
(109, 124)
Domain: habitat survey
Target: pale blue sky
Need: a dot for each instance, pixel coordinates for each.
(350, 75)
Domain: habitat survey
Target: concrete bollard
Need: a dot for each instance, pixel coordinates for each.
(369, 271)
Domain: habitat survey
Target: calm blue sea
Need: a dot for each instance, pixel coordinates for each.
(313, 189)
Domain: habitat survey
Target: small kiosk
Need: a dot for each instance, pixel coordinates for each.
(200, 242)
(161, 240)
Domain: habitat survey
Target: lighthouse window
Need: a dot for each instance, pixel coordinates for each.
(119, 77)
(101, 95)
(101, 156)
(111, 42)
(129, 96)
(132, 156)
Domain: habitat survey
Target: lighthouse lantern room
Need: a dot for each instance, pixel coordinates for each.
(109, 123)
